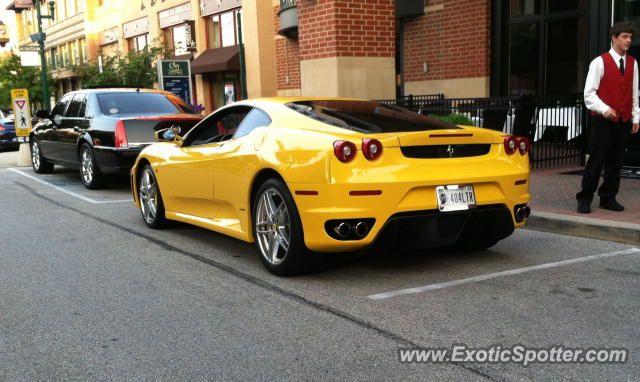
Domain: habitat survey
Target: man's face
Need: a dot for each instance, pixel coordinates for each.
(622, 42)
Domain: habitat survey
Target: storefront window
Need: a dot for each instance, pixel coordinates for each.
(64, 52)
(54, 58)
(523, 59)
(538, 59)
(564, 5)
(213, 32)
(73, 53)
(629, 11)
(222, 29)
(70, 6)
(180, 38)
(82, 50)
(227, 26)
(524, 7)
(138, 43)
(565, 62)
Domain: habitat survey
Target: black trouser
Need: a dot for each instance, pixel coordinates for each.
(607, 148)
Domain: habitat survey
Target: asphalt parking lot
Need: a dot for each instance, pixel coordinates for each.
(89, 292)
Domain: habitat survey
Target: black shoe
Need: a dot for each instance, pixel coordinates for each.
(611, 205)
(583, 207)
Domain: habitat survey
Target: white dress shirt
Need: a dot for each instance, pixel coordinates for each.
(596, 71)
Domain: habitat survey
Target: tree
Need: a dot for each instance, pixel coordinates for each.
(133, 70)
(15, 76)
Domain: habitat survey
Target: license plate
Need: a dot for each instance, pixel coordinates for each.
(455, 197)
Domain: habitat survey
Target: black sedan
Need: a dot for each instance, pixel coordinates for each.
(8, 138)
(101, 131)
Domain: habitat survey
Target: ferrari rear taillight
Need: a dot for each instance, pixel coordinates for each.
(510, 144)
(344, 150)
(371, 148)
(121, 135)
(523, 145)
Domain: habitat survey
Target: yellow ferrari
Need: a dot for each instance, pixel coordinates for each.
(302, 176)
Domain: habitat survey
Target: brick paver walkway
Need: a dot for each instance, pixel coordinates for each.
(555, 192)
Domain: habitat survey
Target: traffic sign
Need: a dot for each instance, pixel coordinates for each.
(21, 114)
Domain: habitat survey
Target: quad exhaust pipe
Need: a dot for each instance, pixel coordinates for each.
(352, 229)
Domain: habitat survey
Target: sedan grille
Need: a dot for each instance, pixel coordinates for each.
(446, 151)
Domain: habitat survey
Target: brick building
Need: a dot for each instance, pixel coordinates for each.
(352, 48)
(461, 48)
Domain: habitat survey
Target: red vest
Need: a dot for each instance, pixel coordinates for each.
(616, 89)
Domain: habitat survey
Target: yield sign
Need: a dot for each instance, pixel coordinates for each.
(20, 103)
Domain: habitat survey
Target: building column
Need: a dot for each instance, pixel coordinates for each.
(259, 48)
(347, 49)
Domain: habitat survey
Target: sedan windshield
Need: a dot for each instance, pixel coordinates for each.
(139, 103)
(367, 116)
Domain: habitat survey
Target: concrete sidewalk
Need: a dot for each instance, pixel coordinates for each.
(8, 158)
(553, 204)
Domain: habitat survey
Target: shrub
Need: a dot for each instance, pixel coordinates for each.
(454, 119)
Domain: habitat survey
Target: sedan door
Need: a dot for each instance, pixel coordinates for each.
(73, 126)
(48, 134)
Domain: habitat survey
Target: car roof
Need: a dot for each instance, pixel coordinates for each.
(119, 90)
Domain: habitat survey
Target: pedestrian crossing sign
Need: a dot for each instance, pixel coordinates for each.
(21, 114)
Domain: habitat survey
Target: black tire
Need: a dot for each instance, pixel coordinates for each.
(150, 199)
(90, 173)
(39, 164)
(295, 258)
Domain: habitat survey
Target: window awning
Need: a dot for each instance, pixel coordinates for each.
(216, 60)
(187, 56)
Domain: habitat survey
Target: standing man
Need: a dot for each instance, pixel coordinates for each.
(611, 93)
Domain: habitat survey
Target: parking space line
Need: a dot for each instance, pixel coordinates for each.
(86, 199)
(382, 296)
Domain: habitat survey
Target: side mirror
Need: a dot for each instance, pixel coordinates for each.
(167, 135)
(42, 114)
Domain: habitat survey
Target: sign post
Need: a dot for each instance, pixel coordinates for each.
(175, 76)
(22, 123)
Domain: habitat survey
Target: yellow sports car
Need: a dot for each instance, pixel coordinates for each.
(301, 176)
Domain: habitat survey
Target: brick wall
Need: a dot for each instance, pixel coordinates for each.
(335, 28)
(346, 28)
(287, 59)
(453, 38)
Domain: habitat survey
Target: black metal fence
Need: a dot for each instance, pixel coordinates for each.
(555, 125)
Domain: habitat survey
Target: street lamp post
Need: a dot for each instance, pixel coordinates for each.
(39, 38)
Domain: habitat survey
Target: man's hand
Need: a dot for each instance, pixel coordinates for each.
(635, 127)
(611, 114)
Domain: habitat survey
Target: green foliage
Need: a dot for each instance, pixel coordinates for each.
(133, 70)
(15, 76)
(454, 119)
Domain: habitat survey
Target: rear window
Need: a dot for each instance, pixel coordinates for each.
(367, 116)
(139, 103)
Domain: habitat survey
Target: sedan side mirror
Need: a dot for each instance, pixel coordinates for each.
(44, 114)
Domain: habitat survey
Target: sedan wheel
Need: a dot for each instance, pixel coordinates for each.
(90, 174)
(151, 204)
(40, 165)
(277, 230)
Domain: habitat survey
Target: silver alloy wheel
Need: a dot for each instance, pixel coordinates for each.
(35, 155)
(148, 192)
(273, 226)
(86, 166)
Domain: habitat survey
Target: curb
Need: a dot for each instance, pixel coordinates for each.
(609, 230)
